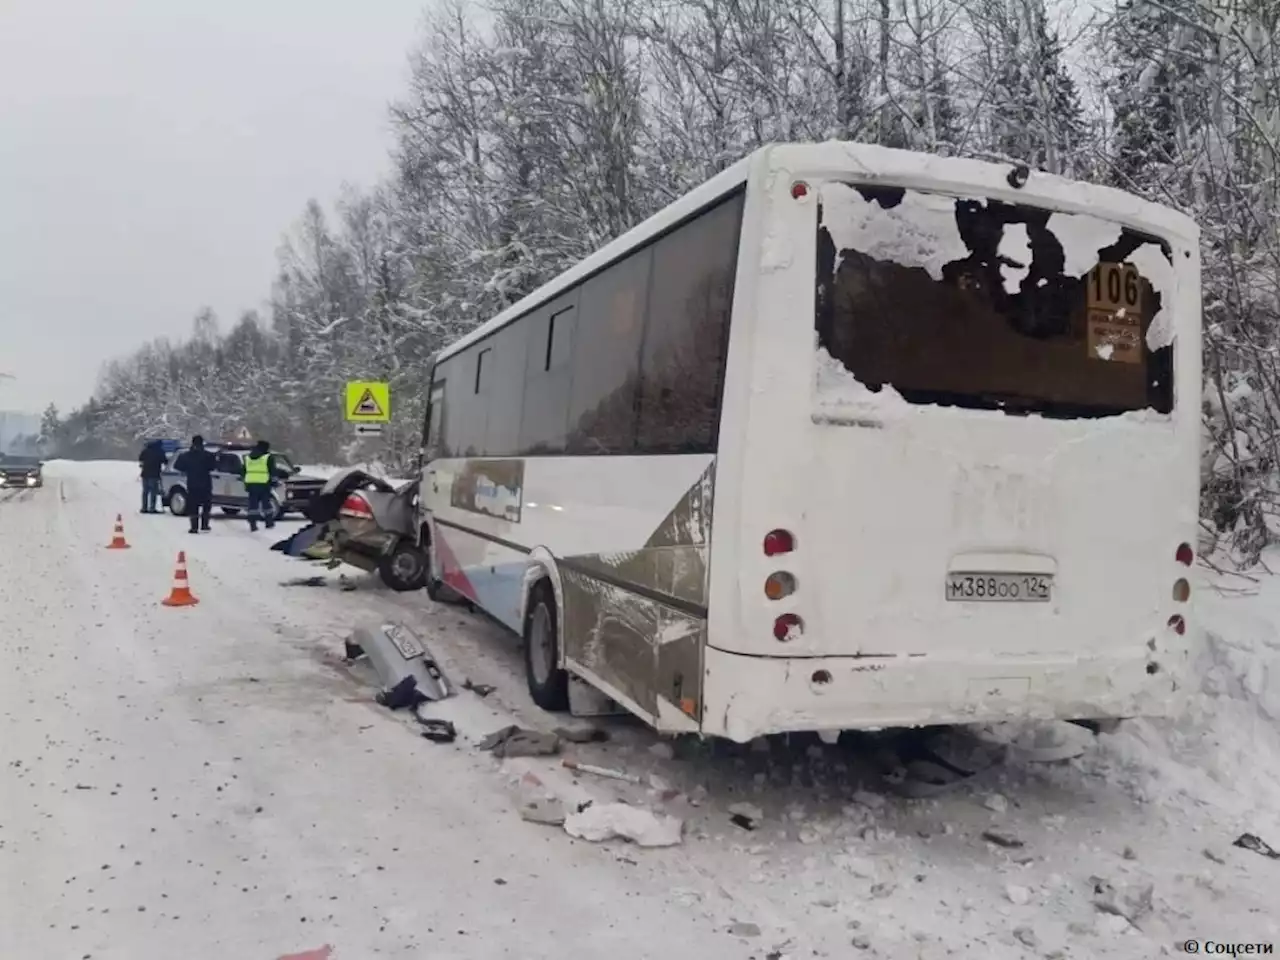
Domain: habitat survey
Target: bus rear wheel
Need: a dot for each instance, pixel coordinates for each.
(548, 684)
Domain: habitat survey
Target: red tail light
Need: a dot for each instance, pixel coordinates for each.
(787, 627)
(1177, 624)
(778, 541)
(1185, 555)
(356, 506)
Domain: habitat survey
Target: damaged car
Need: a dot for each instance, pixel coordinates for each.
(364, 521)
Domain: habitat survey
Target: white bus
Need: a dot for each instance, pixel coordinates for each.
(845, 438)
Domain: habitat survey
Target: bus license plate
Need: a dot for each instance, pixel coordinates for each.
(999, 587)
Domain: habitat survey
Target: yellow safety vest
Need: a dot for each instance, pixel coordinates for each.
(257, 469)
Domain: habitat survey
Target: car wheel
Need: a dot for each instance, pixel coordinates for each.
(231, 511)
(548, 684)
(405, 568)
(178, 502)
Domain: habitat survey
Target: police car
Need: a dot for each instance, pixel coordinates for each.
(289, 496)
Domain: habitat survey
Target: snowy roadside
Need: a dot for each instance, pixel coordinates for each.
(1029, 860)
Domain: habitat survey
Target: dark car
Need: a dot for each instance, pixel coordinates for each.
(290, 496)
(24, 472)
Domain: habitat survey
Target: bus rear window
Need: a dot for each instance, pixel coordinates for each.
(982, 304)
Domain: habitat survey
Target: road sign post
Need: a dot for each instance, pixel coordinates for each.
(368, 402)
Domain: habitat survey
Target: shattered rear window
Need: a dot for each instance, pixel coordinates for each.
(983, 304)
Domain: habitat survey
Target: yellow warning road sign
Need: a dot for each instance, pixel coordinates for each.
(368, 402)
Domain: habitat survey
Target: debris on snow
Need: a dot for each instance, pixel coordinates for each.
(861, 942)
(746, 815)
(1255, 844)
(304, 582)
(479, 689)
(538, 805)
(606, 772)
(698, 796)
(1026, 936)
(744, 930)
(437, 730)
(1210, 854)
(582, 734)
(1002, 839)
(996, 803)
(605, 821)
(403, 695)
(663, 750)
(1131, 901)
(883, 890)
(514, 741)
(397, 653)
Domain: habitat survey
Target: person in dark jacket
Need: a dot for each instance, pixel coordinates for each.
(198, 465)
(151, 461)
(260, 472)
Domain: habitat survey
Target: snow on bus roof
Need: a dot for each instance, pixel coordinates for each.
(864, 163)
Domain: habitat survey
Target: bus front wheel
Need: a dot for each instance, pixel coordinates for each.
(548, 684)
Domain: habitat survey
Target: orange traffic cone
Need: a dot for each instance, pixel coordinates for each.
(180, 595)
(118, 541)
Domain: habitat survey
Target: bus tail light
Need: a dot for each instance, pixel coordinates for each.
(779, 585)
(777, 542)
(1181, 590)
(1177, 624)
(1185, 555)
(799, 190)
(357, 507)
(787, 627)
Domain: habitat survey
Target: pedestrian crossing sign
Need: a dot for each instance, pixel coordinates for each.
(368, 402)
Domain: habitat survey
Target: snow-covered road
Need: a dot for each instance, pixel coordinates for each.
(214, 781)
(207, 783)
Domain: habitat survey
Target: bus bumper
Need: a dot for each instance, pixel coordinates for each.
(747, 696)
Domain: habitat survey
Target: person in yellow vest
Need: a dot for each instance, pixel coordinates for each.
(260, 472)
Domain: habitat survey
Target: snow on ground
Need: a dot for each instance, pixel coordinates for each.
(193, 782)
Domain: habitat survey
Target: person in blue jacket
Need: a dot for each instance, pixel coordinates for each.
(151, 461)
(198, 465)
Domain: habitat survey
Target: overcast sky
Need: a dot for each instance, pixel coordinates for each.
(153, 151)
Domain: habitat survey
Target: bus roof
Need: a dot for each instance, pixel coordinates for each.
(870, 164)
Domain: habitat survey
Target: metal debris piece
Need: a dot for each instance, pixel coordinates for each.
(397, 652)
(600, 771)
(1254, 843)
(1001, 839)
(515, 741)
(479, 689)
(304, 582)
(437, 730)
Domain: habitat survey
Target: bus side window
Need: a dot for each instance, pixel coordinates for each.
(433, 442)
(547, 377)
(687, 338)
(606, 358)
